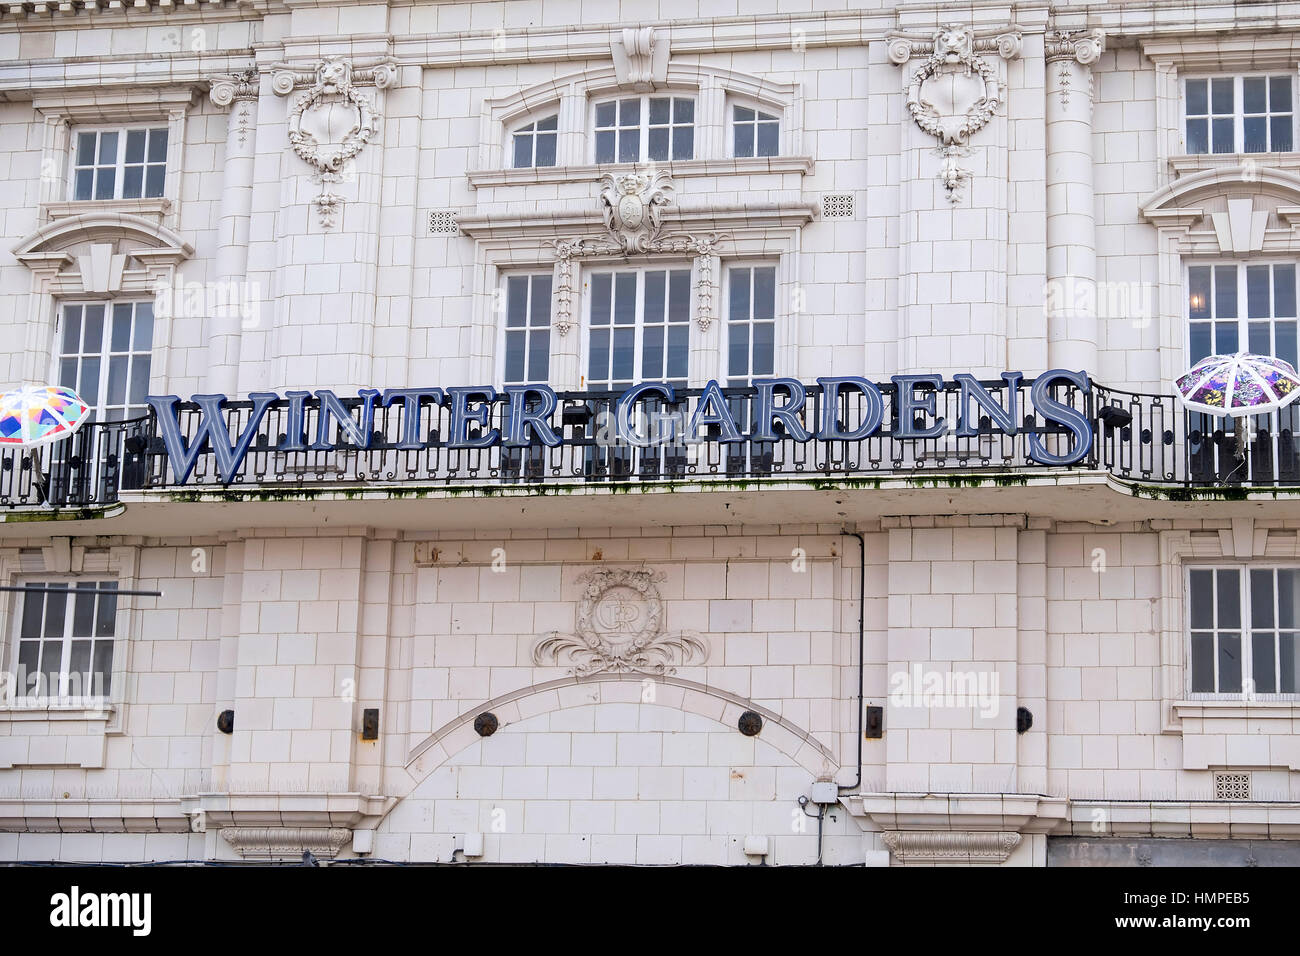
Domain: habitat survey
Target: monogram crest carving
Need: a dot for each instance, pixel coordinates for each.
(954, 93)
(620, 629)
(633, 204)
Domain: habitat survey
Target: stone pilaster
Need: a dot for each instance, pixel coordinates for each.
(1071, 294)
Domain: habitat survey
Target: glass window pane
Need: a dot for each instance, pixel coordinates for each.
(764, 348)
(94, 340)
(1225, 337)
(33, 605)
(742, 115)
(106, 613)
(739, 285)
(103, 668)
(659, 143)
(551, 122)
(154, 181)
(1260, 339)
(629, 146)
(29, 657)
(88, 387)
(71, 329)
(625, 298)
(743, 140)
(1284, 341)
(598, 355)
(116, 380)
(1261, 598)
(1254, 94)
(684, 142)
(1284, 291)
(629, 112)
(659, 110)
(83, 613)
(1228, 594)
(683, 110)
(738, 350)
(655, 283)
(1225, 292)
(105, 183)
(764, 293)
(1198, 136)
(1200, 585)
(79, 668)
(1221, 94)
(678, 351)
(539, 356)
(85, 184)
(600, 292)
(107, 148)
(1279, 97)
(652, 353)
(135, 145)
(1202, 663)
(540, 307)
(1255, 131)
(1198, 100)
(120, 338)
(605, 146)
(516, 301)
(1288, 591)
(158, 146)
(523, 151)
(679, 295)
(1198, 289)
(1223, 134)
(624, 366)
(1280, 128)
(1262, 663)
(85, 149)
(605, 114)
(56, 603)
(769, 135)
(1288, 665)
(1229, 663)
(515, 344)
(142, 341)
(546, 149)
(1257, 292)
(68, 373)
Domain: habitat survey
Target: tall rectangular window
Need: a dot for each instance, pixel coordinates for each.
(119, 164)
(751, 323)
(528, 329)
(639, 327)
(640, 128)
(1235, 306)
(1239, 114)
(1242, 630)
(104, 355)
(65, 639)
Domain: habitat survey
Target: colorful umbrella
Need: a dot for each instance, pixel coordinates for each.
(1238, 385)
(35, 416)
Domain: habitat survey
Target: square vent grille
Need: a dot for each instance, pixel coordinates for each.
(1231, 786)
(442, 222)
(837, 205)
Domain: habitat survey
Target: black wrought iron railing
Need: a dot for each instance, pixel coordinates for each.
(1136, 437)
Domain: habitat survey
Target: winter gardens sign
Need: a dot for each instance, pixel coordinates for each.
(647, 415)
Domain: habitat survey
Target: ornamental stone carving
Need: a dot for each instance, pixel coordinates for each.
(620, 628)
(951, 846)
(332, 121)
(277, 843)
(955, 92)
(633, 205)
(1063, 49)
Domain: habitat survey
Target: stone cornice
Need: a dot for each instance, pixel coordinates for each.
(1181, 818)
(966, 812)
(681, 169)
(57, 12)
(573, 221)
(82, 815)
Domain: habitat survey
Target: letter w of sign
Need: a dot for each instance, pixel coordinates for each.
(212, 429)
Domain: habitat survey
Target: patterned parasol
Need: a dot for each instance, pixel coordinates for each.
(1238, 385)
(35, 416)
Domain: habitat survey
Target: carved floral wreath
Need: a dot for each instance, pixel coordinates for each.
(977, 117)
(306, 145)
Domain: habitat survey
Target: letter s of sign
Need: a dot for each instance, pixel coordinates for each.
(1054, 411)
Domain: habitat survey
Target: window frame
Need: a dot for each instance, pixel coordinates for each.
(529, 123)
(18, 607)
(638, 325)
(1238, 111)
(643, 153)
(1243, 318)
(503, 329)
(729, 121)
(1245, 630)
(120, 163)
(724, 344)
(98, 407)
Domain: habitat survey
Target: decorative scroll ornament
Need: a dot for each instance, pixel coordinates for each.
(331, 122)
(620, 628)
(239, 91)
(955, 92)
(1063, 49)
(704, 248)
(632, 204)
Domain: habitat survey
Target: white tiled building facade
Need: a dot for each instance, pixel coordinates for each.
(976, 661)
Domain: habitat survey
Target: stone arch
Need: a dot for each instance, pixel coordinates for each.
(102, 227)
(670, 691)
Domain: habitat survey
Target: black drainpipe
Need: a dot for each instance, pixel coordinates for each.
(862, 605)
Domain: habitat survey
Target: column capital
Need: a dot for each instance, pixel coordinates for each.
(1083, 46)
(226, 88)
